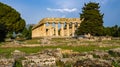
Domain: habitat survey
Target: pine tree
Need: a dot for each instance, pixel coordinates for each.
(2, 32)
(93, 20)
(10, 21)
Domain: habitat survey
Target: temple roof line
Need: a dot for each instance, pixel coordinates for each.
(57, 20)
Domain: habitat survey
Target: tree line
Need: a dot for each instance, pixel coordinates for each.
(112, 31)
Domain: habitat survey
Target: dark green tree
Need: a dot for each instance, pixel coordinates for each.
(114, 31)
(10, 20)
(30, 32)
(2, 32)
(119, 31)
(92, 20)
(27, 32)
(107, 31)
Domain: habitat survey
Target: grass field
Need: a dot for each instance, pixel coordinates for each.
(90, 47)
(7, 51)
(63, 40)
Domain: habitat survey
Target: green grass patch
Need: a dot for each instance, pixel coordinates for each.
(28, 50)
(32, 41)
(111, 41)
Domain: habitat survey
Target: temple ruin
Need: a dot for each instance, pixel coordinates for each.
(67, 27)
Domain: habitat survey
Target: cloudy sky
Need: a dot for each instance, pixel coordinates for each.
(34, 10)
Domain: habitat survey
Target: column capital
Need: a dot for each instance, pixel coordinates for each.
(56, 22)
(50, 22)
(62, 22)
(78, 22)
(73, 22)
(67, 22)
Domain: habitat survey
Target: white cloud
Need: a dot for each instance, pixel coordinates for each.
(63, 10)
(63, 16)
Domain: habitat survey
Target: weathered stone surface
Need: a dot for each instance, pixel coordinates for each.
(55, 57)
(7, 62)
(93, 63)
(41, 60)
(100, 54)
(115, 52)
(54, 52)
(45, 41)
(17, 54)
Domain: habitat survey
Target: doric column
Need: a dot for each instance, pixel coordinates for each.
(44, 29)
(39, 31)
(56, 29)
(68, 34)
(50, 29)
(62, 29)
(73, 29)
(78, 24)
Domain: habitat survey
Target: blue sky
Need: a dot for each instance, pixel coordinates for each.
(34, 10)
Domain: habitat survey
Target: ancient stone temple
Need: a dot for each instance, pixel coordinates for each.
(63, 27)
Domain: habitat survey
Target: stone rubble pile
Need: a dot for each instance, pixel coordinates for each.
(93, 63)
(115, 52)
(65, 58)
(17, 54)
(7, 62)
(41, 60)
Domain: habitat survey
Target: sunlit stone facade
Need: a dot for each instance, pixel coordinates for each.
(67, 27)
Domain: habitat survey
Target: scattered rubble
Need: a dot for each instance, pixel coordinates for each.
(115, 52)
(7, 62)
(17, 54)
(55, 57)
(93, 63)
(100, 54)
(41, 60)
